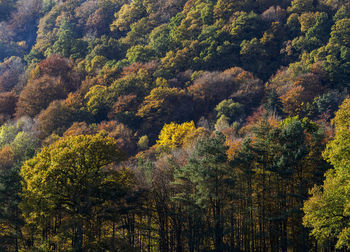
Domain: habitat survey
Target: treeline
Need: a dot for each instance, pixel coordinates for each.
(199, 125)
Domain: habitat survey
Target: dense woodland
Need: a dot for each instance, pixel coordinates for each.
(174, 125)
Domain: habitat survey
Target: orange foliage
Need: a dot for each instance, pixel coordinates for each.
(137, 66)
(6, 158)
(303, 91)
(234, 146)
(256, 118)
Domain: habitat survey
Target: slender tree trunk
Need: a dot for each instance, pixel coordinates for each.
(78, 244)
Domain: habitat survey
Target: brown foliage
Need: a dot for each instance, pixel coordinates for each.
(124, 136)
(303, 91)
(80, 128)
(8, 102)
(38, 94)
(274, 14)
(83, 11)
(11, 71)
(97, 22)
(23, 20)
(137, 66)
(60, 67)
(250, 90)
(234, 146)
(125, 103)
(212, 87)
(7, 81)
(55, 119)
(55, 65)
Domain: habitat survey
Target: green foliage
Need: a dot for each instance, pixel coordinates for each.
(127, 15)
(340, 32)
(203, 182)
(69, 176)
(66, 44)
(139, 53)
(165, 105)
(11, 219)
(336, 150)
(143, 142)
(326, 212)
(246, 26)
(160, 40)
(232, 110)
(341, 13)
(222, 123)
(299, 6)
(137, 71)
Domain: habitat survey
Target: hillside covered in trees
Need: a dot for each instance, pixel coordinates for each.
(174, 125)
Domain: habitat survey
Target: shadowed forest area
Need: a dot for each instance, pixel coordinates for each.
(174, 125)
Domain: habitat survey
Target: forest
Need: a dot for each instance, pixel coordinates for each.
(175, 125)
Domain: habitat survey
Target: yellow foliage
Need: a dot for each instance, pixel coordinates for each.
(173, 135)
(193, 136)
(307, 20)
(161, 82)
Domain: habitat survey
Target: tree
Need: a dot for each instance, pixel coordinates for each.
(165, 105)
(124, 136)
(304, 90)
(8, 102)
(299, 6)
(139, 53)
(245, 27)
(68, 181)
(173, 135)
(6, 6)
(159, 40)
(232, 110)
(56, 118)
(11, 72)
(55, 66)
(11, 219)
(341, 32)
(38, 94)
(210, 177)
(67, 44)
(24, 20)
(210, 88)
(335, 56)
(327, 210)
(127, 15)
